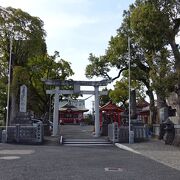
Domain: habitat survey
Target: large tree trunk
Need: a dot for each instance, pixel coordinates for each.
(161, 103)
(176, 53)
(152, 107)
(14, 107)
(178, 106)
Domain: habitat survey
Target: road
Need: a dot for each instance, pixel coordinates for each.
(57, 162)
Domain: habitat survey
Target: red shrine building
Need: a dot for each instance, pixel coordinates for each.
(72, 111)
(143, 111)
(110, 113)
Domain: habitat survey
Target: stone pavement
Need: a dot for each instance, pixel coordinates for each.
(76, 131)
(58, 162)
(156, 150)
(42, 162)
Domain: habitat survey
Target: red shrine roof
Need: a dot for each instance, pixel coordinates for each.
(142, 104)
(68, 107)
(111, 107)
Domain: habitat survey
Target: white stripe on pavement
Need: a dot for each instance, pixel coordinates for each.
(126, 148)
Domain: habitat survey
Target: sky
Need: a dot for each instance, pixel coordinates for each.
(76, 28)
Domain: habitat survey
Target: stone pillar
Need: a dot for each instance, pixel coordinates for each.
(23, 99)
(56, 113)
(97, 123)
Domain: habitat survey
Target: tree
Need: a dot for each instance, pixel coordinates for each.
(30, 61)
(27, 36)
(162, 75)
(117, 56)
(120, 94)
(47, 67)
(144, 51)
(98, 67)
(104, 99)
(156, 24)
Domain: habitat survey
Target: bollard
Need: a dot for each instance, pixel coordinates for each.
(4, 140)
(131, 138)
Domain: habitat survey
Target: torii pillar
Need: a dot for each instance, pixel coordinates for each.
(56, 112)
(97, 122)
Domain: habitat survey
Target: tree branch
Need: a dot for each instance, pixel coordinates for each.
(120, 71)
(176, 26)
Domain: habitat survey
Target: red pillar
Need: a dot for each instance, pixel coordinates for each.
(114, 116)
(119, 119)
(100, 118)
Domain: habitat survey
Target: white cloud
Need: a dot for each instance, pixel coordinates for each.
(74, 1)
(66, 21)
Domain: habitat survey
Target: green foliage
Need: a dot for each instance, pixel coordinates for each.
(47, 67)
(162, 73)
(30, 61)
(149, 25)
(98, 67)
(25, 31)
(155, 24)
(20, 77)
(26, 35)
(120, 94)
(117, 51)
(3, 88)
(105, 98)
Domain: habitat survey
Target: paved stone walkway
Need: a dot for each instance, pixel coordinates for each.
(158, 151)
(76, 131)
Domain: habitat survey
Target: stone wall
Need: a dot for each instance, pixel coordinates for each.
(172, 101)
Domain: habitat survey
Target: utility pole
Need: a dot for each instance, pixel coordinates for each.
(129, 78)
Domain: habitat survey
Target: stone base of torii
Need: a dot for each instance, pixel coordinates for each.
(76, 84)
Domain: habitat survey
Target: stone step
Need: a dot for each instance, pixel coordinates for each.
(79, 144)
(85, 142)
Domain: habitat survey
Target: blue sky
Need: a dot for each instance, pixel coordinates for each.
(76, 28)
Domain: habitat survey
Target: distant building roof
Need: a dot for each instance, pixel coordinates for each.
(69, 107)
(142, 107)
(79, 103)
(142, 103)
(111, 107)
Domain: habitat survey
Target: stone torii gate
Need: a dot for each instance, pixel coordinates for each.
(76, 90)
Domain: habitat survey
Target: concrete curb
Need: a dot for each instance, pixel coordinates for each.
(126, 148)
